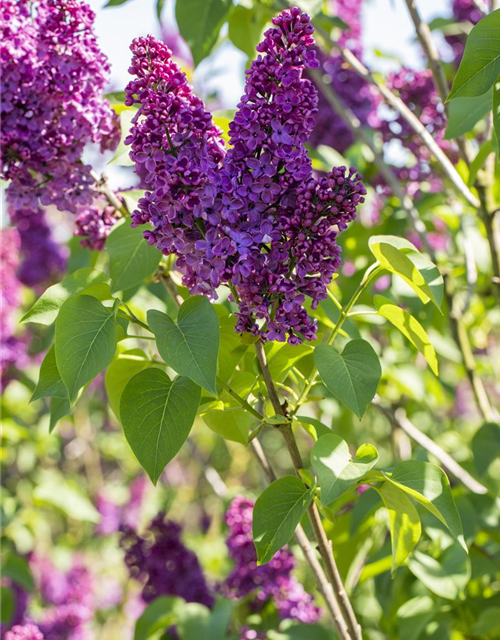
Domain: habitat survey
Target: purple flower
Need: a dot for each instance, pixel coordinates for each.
(163, 564)
(94, 224)
(270, 582)
(24, 632)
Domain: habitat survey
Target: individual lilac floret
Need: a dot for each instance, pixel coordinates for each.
(272, 581)
(42, 258)
(53, 77)
(163, 564)
(24, 632)
(176, 150)
(94, 224)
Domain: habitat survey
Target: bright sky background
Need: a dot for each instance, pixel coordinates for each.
(387, 28)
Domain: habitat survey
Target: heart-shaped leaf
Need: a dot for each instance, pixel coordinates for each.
(352, 376)
(276, 515)
(410, 327)
(85, 343)
(157, 415)
(120, 371)
(337, 471)
(190, 345)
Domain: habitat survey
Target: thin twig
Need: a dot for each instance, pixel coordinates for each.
(108, 193)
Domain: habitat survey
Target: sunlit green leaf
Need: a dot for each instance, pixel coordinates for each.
(199, 23)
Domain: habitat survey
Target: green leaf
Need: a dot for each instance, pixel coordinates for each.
(120, 371)
(232, 423)
(337, 471)
(484, 151)
(121, 157)
(231, 348)
(190, 345)
(410, 327)
(59, 407)
(157, 416)
(480, 64)
(193, 621)
(116, 101)
(314, 427)
(49, 382)
(199, 23)
(131, 258)
(414, 615)
(246, 27)
(158, 615)
(114, 3)
(446, 578)
(87, 280)
(429, 485)
(67, 498)
(496, 111)
(85, 343)
(404, 522)
(18, 570)
(465, 113)
(395, 260)
(352, 376)
(7, 604)
(277, 513)
(220, 619)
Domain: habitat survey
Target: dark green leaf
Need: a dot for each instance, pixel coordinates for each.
(157, 616)
(496, 111)
(159, 9)
(85, 341)
(190, 345)
(157, 416)
(59, 407)
(87, 280)
(414, 615)
(404, 522)
(410, 327)
(199, 23)
(337, 471)
(315, 428)
(446, 578)
(429, 485)
(114, 3)
(276, 515)
(480, 64)
(464, 113)
(352, 376)
(18, 570)
(131, 258)
(49, 383)
(7, 604)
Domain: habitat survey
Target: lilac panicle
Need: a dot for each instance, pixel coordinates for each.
(24, 632)
(163, 564)
(272, 581)
(94, 224)
(176, 149)
(247, 217)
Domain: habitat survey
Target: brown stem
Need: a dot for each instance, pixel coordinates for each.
(324, 545)
(108, 193)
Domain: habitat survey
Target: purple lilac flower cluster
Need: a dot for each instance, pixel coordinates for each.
(94, 224)
(417, 90)
(12, 349)
(69, 597)
(254, 217)
(160, 560)
(463, 11)
(354, 92)
(24, 632)
(42, 258)
(53, 76)
(113, 515)
(272, 581)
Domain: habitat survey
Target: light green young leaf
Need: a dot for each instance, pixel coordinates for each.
(352, 376)
(120, 371)
(231, 423)
(122, 157)
(157, 616)
(246, 26)
(404, 522)
(337, 471)
(67, 498)
(59, 407)
(410, 327)
(199, 23)
(429, 485)
(480, 64)
(496, 112)
(157, 415)
(315, 428)
(414, 615)
(87, 280)
(446, 578)
(465, 113)
(193, 621)
(85, 341)
(277, 513)
(190, 345)
(131, 258)
(49, 383)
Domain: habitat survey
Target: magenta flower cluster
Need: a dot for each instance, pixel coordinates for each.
(27, 631)
(253, 217)
(94, 224)
(269, 582)
(163, 564)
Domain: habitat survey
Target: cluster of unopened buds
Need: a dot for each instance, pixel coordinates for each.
(252, 216)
